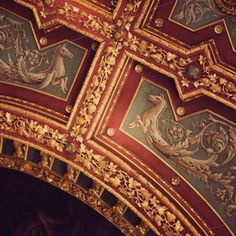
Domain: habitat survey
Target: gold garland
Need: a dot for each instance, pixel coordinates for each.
(30, 129)
(132, 189)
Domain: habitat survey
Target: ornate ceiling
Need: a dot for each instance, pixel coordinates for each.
(127, 105)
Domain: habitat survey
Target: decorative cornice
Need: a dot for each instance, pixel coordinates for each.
(31, 129)
(90, 197)
(156, 206)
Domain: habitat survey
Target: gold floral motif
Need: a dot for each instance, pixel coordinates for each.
(106, 66)
(70, 12)
(45, 7)
(159, 55)
(88, 21)
(49, 3)
(127, 17)
(93, 22)
(212, 82)
(131, 188)
(32, 130)
(94, 92)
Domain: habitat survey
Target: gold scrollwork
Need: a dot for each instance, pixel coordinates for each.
(32, 130)
(211, 81)
(94, 92)
(67, 183)
(132, 189)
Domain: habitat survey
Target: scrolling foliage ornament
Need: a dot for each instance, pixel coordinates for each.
(104, 71)
(66, 183)
(133, 190)
(31, 129)
(211, 138)
(95, 91)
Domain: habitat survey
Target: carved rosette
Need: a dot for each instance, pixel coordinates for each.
(227, 6)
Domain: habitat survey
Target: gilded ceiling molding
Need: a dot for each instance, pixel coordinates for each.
(71, 16)
(95, 8)
(11, 104)
(103, 73)
(89, 197)
(95, 91)
(168, 219)
(156, 206)
(193, 76)
(161, 56)
(32, 130)
(117, 8)
(223, 92)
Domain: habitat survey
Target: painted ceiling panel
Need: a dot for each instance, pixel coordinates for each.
(53, 67)
(139, 97)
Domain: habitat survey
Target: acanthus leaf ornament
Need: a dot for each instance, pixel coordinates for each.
(211, 81)
(32, 130)
(131, 188)
(95, 91)
(215, 138)
(22, 66)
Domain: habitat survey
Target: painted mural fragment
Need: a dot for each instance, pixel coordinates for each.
(202, 148)
(198, 14)
(22, 63)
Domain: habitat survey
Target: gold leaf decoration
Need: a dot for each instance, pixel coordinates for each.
(32, 130)
(131, 188)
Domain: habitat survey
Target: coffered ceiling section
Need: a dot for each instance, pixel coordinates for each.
(138, 95)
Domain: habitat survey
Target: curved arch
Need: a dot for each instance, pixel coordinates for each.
(91, 195)
(30, 206)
